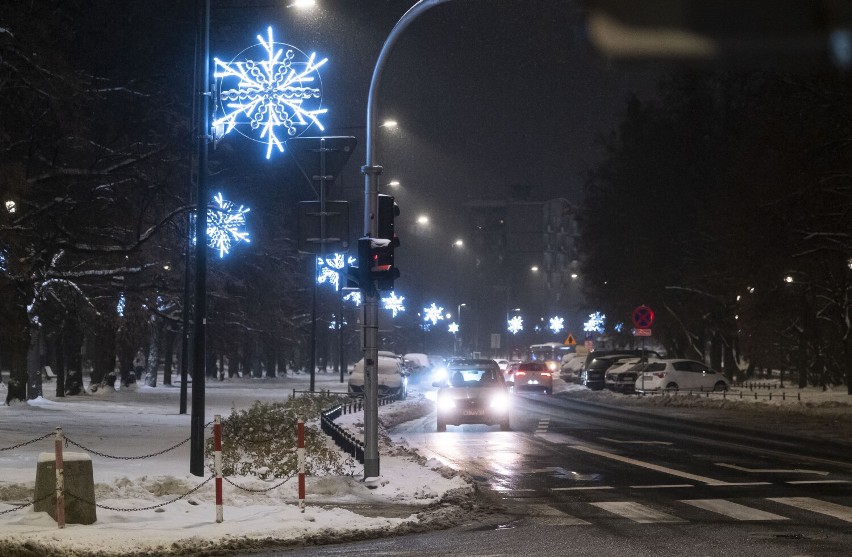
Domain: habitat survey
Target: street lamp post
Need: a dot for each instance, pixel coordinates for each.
(460, 347)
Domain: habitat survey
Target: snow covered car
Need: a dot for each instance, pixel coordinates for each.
(392, 379)
(475, 393)
(681, 374)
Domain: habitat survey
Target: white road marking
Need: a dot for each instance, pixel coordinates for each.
(637, 512)
(543, 426)
(801, 482)
(771, 470)
(550, 516)
(661, 486)
(635, 442)
(581, 488)
(649, 466)
(818, 506)
(732, 510)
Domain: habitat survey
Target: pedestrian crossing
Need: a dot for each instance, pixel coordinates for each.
(770, 509)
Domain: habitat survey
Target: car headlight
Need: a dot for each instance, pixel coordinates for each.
(446, 403)
(500, 402)
(440, 374)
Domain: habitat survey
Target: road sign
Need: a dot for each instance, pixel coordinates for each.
(570, 340)
(643, 317)
(641, 332)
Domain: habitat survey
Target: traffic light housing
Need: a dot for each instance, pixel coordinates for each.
(382, 267)
(360, 276)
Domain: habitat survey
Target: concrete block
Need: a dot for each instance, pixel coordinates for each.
(79, 480)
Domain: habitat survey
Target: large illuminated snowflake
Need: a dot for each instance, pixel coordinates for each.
(433, 314)
(268, 94)
(595, 324)
(226, 225)
(453, 328)
(394, 303)
(556, 324)
(516, 324)
(330, 267)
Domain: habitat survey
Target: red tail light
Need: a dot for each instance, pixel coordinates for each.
(520, 373)
(545, 374)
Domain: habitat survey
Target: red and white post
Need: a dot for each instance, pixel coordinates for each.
(300, 452)
(60, 480)
(217, 464)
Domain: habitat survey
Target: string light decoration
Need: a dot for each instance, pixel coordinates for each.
(333, 323)
(453, 328)
(226, 225)
(273, 90)
(329, 269)
(119, 307)
(354, 297)
(433, 314)
(394, 303)
(556, 324)
(595, 324)
(516, 324)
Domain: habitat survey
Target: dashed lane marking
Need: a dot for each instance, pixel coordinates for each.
(841, 512)
(804, 482)
(732, 510)
(550, 516)
(634, 442)
(637, 512)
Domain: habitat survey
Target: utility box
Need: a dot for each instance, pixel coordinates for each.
(79, 480)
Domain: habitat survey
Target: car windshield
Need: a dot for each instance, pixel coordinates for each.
(471, 377)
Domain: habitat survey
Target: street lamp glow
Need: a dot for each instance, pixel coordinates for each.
(394, 183)
(534, 268)
(302, 4)
(459, 243)
(574, 275)
(788, 279)
(422, 219)
(390, 124)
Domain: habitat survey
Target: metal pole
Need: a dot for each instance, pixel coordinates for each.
(199, 366)
(371, 171)
(340, 358)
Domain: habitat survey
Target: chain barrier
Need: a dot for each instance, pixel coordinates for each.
(158, 453)
(264, 490)
(25, 443)
(151, 507)
(25, 505)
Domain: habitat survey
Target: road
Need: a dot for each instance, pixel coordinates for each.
(580, 479)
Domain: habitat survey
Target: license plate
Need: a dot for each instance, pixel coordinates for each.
(474, 412)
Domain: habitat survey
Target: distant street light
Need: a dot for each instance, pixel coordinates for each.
(459, 243)
(534, 268)
(390, 124)
(302, 4)
(394, 183)
(422, 219)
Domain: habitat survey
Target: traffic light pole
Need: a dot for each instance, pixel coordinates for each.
(371, 172)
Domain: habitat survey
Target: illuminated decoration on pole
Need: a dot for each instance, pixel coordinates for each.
(275, 85)
(354, 297)
(119, 308)
(556, 324)
(330, 267)
(333, 323)
(394, 303)
(433, 314)
(453, 328)
(516, 324)
(595, 324)
(226, 225)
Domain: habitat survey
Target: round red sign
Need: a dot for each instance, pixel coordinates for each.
(643, 317)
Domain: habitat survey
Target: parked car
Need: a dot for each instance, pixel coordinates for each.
(674, 374)
(572, 367)
(392, 377)
(597, 363)
(474, 393)
(622, 377)
(533, 376)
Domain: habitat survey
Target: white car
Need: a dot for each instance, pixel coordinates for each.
(392, 378)
(674, 374)
(503, 364)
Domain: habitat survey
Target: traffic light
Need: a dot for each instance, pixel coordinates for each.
(360, 276)
(382, 266)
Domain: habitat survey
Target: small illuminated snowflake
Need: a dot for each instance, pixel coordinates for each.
(516, 324)
(226, 225)
(280, 91)
(595, 324)
(394, 303)
(453, 328)
(354, 297)
(433, 314)
(556, 324)
(333, 323)
(329, 269)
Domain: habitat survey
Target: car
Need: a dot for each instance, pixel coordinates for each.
(509, 372)
(392, 377)
(533, 376)
(474, 393)
(675, 374)
(503, 364)
(593, 375)
(622, 377)
(572, 367)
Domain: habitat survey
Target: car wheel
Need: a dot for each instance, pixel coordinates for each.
(672, 386)
(720, 386)
(442, 425)
(504, 425)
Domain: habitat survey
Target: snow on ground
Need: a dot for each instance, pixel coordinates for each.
(413, 494)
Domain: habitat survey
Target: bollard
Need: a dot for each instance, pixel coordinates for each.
(60, 480)
(217, 464)
(300, 451)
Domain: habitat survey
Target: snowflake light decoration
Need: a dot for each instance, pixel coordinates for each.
(354, 297)
(333, 323)
(226, 225)
(516, 324)
(119, 307)
(394, 303)
(280, 88)
(595, 324)
(433, 314)
(556, 324)
(453, 328)
(330, 267)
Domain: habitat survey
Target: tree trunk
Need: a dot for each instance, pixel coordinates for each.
(169, 350)
(34, 388)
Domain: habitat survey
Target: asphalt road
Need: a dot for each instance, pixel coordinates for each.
(574, 478)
